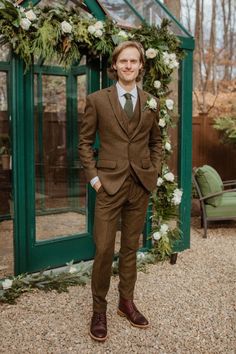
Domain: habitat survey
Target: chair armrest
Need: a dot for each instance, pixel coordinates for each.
(230, 182)
(217, 194)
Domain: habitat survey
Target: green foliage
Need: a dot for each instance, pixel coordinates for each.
(73, 275)
(227, 126)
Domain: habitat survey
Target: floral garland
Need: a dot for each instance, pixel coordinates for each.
(68, 35)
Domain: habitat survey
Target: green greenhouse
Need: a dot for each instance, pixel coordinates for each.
(46, 208)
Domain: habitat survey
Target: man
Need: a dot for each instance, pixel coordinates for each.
(123, 177)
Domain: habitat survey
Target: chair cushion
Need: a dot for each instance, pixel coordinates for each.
(215, 173)
(209, 182)
(226, 209)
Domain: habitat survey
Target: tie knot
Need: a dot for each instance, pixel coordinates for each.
(128, 96)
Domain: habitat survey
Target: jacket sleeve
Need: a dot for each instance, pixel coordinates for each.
(87, 137)
(155, 143)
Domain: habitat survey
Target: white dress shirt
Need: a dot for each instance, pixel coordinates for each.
(121, 92)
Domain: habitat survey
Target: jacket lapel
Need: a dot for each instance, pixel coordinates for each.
(142, 101)
(116, 107)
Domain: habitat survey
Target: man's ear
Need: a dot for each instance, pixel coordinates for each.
(114, 66)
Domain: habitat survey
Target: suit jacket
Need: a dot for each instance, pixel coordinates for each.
(119, 149)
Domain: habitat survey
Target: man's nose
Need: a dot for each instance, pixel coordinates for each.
(128, 64)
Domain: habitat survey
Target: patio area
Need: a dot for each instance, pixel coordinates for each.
(191, 307)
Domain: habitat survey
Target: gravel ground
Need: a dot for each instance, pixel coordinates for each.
(191, 307)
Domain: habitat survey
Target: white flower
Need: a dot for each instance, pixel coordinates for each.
(66, 27)
(159, 181)
(151, 53)
(156, 235)
(177, 196)
(123, 34)
(152, 103)
(169, 177)
(140, 255)
(173, 64)
(91, 29)
(167, 146)
(72, 270)
(162, 122)
(25, 23)
(98, 25)
(30, 15)
(164, 228)
(172, 56)
(157, 84)
(166, 58)
(98, 33)
(169, 104)
(7, 284)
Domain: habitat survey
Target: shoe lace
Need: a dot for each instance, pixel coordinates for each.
(99, 317)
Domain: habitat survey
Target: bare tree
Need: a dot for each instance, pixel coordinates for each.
(174, 7)
(197, 53)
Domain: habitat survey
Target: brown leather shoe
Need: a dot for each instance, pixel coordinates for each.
(128, 309)
(98, 328)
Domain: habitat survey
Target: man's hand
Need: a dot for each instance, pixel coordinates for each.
(97, 186)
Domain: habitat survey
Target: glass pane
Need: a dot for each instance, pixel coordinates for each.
(4, 52)
(60, 194)
(153, 13)
(6, 202)
(121, 12)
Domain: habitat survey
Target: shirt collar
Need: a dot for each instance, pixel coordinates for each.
(121, 91)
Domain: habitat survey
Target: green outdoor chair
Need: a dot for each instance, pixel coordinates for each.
(217, 199)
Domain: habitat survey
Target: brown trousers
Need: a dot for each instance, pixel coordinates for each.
(130, 202)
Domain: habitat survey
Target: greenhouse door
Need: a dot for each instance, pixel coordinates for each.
(59, 203)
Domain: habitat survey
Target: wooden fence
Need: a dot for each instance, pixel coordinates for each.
(208, 148)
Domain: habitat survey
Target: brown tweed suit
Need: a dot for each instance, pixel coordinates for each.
(127, 166)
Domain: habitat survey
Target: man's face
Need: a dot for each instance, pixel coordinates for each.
(128, 65)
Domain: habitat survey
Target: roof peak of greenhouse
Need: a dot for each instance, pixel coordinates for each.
(127, 13)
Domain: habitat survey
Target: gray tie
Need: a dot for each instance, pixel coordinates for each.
(128, 107)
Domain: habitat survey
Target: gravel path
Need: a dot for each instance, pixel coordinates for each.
(191, 307)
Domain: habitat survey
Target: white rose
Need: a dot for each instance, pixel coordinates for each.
(72, 270)
(166, 58)
(175, 64)
(162, 122)
(151, 53)
(25, 23)
(91, 29)
(140, 255)
(164, 228)
(177, 196)
(98, 33)
(172, 56)
(123, 34)
(152, 103)
(156, 235)
(7, 284)
(159, 181)
(98, 25)
(30, 15)
(157, 84)
(169, 104)
(66, 27)
(169, 177)
(167, 146)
